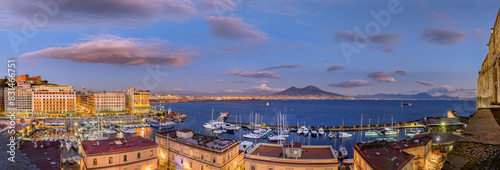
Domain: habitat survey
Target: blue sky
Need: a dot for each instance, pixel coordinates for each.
(235, 47)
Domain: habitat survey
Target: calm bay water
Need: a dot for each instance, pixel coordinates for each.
(315, 113)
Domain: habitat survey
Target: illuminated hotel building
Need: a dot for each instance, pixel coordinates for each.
(183, 149)
(54, 101)
(132, 153)
(22, 105)
(107, 102)
(137, 101)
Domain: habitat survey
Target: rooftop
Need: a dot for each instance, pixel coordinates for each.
(113, 145)
(308, 152)
(442, 121)
(442, 138)
(417, 140)
(40, 156)
(206, 142)
(384, 157)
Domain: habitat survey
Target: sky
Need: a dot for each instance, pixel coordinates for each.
(254, 47)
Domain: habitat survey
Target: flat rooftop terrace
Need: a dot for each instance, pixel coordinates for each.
(203, 141)
(116, 145)
(308, 152)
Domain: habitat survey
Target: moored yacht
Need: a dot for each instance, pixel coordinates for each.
(321, 131)
(314, 133)
(305, 131)
(299, 131)
(344, 135)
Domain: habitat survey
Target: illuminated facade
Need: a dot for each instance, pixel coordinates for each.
(132, 153)
(183, 149)
(137, 101)
(107, 102)
(54, 101)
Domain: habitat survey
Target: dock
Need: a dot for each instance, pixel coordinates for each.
(401, 125)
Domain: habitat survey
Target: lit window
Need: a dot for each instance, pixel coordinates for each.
(201, 157)
(95, 161)
(252, 167)
(151, 152)
(110, 160)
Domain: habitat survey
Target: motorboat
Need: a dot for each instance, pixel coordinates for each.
(343, 151)
(76, 159)
(109, 131)
(331, 135)
(252, 136)
(314, 133)
(210, 125)
(71, 161)
(321, 131)
(71, 138)
(299, 131)
(154, 125)
(68, 145)
(75, 146)
(413, 133)
(344, 135)
(305, 131)
(229, 126)
(277, 138)
(167, 124)
(246, 146)
(219, 131)
(389, 132)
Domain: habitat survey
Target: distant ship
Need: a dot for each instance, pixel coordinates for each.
(267, 104)
(405, 104)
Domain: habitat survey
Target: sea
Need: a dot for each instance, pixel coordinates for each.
(310, 113)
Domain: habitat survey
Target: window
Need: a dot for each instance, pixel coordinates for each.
(252, 167)
(173, 157)
(138, 155)
(151, 152)
(213, 159)
(201, 156)
(201, 167)
(190, 164)
(124, 158)
(270, 168)
(295, 151)
(191, 152)
(182, 149)
(95, 161)
(110, 160)
(139, 167)
(182, 161)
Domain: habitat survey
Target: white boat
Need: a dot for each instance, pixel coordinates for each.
(314, 132)
(246, 146)
(209, 126)
(331, 135)
(252, 136)
(109, 131)
(343, 151)
(305, 131)
(63, 160)
(321, 131)
(412, 133)
(390, 131)
(370, 132)
(75, 146)
(229, 126)
(344, 135)
(277, 138)
(71, 161)
(61, 137)
(65, 138)
(62, 145)
(68, 145)
(167, 124)
(267, 104)
(219, 131)
(299, 131)
(76, 159)
(71, 138)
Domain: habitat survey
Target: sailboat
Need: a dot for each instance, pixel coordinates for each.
(344, 134)
(390, 131)
(370, 132)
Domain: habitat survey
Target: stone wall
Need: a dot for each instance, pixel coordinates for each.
(489, 75)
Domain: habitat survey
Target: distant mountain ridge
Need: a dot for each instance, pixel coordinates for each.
(419, 96)
(306, 91)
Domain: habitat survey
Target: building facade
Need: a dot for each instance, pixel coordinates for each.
(137, 101)
(419, 146)
(291, 156)
(109, 103)
(22, 105)
(489, 75)
(183, 149)
(132, 153)
(54, 101)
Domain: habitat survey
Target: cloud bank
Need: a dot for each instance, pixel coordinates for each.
(381, 76)
(351, 83)
(112, 49)
(443, 36)
(335, 68)
(253, 74)
(382, 42)
(426, 83)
